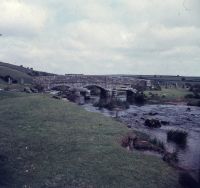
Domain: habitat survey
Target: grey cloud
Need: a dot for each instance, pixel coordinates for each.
(105, 36)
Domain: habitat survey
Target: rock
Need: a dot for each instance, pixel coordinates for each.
(170, 157)
(27, 90)
(34, 90)
(153, 113)
(188, 109)
(134, 114)
(165, 122)
(152, 123)
(129, 126)
(56, 97)
(188, 119)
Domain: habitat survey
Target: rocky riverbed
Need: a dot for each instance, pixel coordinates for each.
(171, 117)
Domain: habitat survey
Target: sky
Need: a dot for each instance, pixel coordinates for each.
(102, 36)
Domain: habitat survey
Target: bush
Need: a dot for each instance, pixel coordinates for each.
(193, 96)
(194, 103)
(158, 143)
(189, 96)
(177, 136)
(195, 88)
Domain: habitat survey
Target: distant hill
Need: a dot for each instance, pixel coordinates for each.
(167, 78)
(18, 73)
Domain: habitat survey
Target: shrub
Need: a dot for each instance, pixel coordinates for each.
(193, 96)
(189, 96)
(177, 136)
(158, 143)
(194, 103)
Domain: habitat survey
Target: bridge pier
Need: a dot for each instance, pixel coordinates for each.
(106, 96)
(86, 94)
(130, 95)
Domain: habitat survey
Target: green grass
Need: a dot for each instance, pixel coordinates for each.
(9, 95)
(53, 143)
(170, 94)
(18, 75)
(18, 87)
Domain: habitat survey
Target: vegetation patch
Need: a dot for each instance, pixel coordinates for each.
(177, 136)
(194, 103)
(134, 141)
(167, 95)
(158, 143)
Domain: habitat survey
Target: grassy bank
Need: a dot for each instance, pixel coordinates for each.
(16, 74)
(168, 95)
(51, 143)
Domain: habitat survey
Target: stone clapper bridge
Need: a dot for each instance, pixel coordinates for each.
(109, 85)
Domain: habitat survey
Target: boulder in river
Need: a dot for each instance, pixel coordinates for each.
(165, 122)
(188, 109)
(152, 123)
(153, 113)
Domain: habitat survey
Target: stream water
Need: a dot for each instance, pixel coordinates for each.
(178, 116)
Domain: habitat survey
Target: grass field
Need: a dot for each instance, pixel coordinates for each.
(171, 94)
(18, 87)
(4, 71)
(46, 142)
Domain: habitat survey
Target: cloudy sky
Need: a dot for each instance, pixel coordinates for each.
(102, 36)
